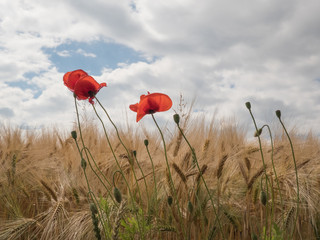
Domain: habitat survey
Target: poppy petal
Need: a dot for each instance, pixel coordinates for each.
(151, 103)
(134, 107)
(140, 114)
(71, 78)
(86, 87)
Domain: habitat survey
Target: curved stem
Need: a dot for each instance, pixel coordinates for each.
(113, 153)
(296, 172)
(89, 189)
(154, 174)
(86, 149)
(169, 172)
(273, 166)
(263, 162)
(203, 180)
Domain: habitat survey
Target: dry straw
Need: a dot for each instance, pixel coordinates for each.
(222, 161)
(255, 177)
(180, 173)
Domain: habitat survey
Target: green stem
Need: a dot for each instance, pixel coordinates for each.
(263, 162)
(154, 174)
(89, 189)
(296, 172)
(169, 172)
(86, 149)
(115, 127)
(113, 153)
(274, 168)
(203, 180)
(144, 179)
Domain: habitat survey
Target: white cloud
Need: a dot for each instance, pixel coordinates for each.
(64, 53)
(84, 53)
(223, 53)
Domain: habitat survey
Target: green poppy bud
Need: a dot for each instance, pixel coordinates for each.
(117, 195)
(263, 197)
(258, 133)
(93, 208)
(83, 163)
(146, 142)
(278, 113)
(248, 105)
(74, 135)
(176, 118)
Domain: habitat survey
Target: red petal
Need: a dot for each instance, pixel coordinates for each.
(134, 107)
(71, 78)
(140, 114)
(151, 103)
(87, 87)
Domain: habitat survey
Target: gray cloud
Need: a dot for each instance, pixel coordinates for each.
(6, 112)
(222, 53)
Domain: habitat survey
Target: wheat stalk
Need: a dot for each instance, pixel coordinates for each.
(247, 162)
(50, 190)
(180, 173)
(202, 171)
(254, 177)
(117, 221)
(221, 165)
(243, 173)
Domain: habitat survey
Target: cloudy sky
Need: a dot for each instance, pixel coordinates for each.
(222, 53)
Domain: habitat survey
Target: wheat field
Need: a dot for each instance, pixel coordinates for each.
(44, 190)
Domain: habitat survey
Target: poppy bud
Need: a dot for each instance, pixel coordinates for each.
(190, 207)
(93, 208)
(146, 142)
(258, 132)
(170, 200)
(176, 118)
(134, 152)
(74, 135)
(278, 113)
(248, 105)
(117, 195)
(83, 163)
(263, 197)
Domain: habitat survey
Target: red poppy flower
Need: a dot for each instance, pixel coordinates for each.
(86, 87)
(71, 78)
(151, 103)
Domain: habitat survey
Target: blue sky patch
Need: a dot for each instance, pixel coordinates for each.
(26, 85)
(92, 57)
